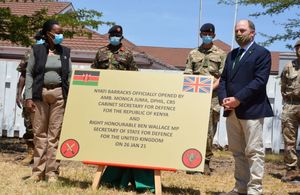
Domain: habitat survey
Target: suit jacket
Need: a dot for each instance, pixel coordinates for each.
(247, 82)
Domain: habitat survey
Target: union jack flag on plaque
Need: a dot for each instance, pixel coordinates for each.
(196, 84)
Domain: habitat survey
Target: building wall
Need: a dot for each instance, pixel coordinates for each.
(11, 122)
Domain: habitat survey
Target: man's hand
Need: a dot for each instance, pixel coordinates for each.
(230, 103)
(19, 100)
(29, 104)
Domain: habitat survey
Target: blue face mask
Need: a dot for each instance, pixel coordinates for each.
(40, 41)
(115, 40)
(58, 38)
(207, 39)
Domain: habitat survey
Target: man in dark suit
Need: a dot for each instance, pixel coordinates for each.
(242, 93)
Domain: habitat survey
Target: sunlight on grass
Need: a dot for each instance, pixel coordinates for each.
(76, 178)
(274, 158)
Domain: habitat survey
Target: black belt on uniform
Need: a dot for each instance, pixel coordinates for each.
(52, 86)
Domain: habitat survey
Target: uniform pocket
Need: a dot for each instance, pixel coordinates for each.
(197, 61)
(291, 81)
(291, 75)
(197, 64)
(214, 66)
(57, 92)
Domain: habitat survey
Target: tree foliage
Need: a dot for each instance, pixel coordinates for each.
(291, 27)
(21, 29)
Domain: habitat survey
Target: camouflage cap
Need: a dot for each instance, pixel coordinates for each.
(297, 44)
(207, 27)
(116, 30)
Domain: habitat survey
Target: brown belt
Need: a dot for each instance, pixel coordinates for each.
(52, 86)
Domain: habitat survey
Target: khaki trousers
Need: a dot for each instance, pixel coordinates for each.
(245, 139)
(48, 117)
(290, 121)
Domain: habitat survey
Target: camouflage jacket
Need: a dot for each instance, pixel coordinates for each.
(108, 58)
(290, 81)
(23, 64)
(205, 62)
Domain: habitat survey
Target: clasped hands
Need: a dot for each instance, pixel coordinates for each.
(230, 103)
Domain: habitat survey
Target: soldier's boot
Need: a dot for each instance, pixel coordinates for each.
(207, 170)
(29, 157)
(290, 175)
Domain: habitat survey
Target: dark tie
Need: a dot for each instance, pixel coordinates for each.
(238, 57)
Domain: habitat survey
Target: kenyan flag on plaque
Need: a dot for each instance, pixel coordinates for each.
(89, 78)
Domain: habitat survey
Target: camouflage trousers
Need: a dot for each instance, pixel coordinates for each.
(212, 128)
(28, 136)
(290, 121)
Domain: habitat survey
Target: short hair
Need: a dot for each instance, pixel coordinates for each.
(47, 26)
(251, 25)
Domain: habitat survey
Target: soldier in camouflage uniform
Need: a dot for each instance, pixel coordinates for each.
(28, 136)
(290, 121)
(208, 60)
(115, 56)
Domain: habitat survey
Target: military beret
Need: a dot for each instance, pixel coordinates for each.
(207, 27)
(297, 43)
(116, 30)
